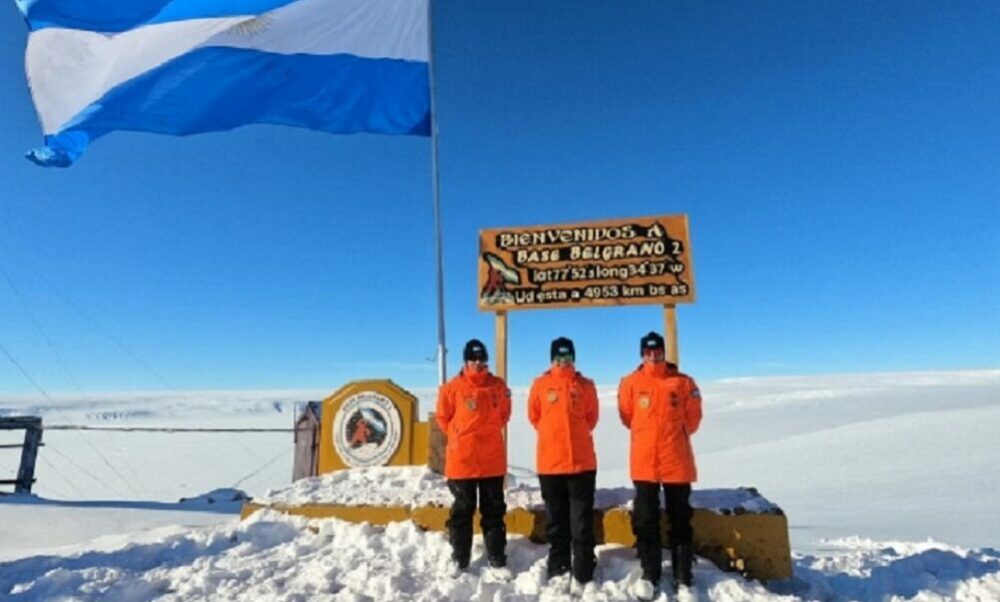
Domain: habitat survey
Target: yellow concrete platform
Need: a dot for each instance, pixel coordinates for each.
(753, 544)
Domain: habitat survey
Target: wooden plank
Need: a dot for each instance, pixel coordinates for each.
(26, 472)
(501, 345)
(20, 422)
(670, 333)
(437, 441)
(501, 364)
(306, 443)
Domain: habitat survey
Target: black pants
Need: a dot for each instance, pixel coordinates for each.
(646, 522)
(569, 505)
(492, 509)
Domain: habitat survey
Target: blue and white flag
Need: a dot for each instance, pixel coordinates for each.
(189, 66)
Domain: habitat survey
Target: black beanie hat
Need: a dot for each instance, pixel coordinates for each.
(562, 346)
(650, 341)
(475, 350)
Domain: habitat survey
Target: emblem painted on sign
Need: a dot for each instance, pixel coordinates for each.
(471, 404)
(644, 402)
(367, 430)
(552, 396)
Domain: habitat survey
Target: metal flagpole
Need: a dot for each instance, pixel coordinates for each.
(441, 349)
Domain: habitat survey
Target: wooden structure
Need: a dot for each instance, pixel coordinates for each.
(437, 441)
(32, 427)
(755, 545)
(307, 438)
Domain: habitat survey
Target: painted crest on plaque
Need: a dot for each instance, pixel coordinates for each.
(367, 430)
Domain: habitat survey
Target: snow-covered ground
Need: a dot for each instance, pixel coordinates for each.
(868, 468)
(274, 557)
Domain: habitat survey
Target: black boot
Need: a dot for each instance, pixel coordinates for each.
(680, 562)
(496, 544)
(498, 562)
(461, 561)
(650, 560)
(557, 566)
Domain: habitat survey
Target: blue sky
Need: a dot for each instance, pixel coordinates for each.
(840, 164)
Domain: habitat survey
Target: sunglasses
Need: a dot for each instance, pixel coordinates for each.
(563, 358)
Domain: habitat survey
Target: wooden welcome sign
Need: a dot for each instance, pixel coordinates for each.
(619, 262)
(634, 261)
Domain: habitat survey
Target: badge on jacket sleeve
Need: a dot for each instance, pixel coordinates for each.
(553, 396)
(644, 402)
(471, 404)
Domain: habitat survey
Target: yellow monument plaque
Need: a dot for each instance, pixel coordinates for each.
(371, 423)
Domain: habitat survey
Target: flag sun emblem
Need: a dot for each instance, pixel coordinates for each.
(251, 26)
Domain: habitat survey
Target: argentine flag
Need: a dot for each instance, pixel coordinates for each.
(189, 66)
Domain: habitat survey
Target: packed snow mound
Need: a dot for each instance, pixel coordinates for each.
(273, 557)
(410, 486)
(418, 486)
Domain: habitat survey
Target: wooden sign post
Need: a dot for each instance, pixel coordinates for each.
(670, 333)
(501, 344)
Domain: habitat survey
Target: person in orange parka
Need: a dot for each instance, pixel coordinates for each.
(562, 406)
(662, 409)
(472, 410)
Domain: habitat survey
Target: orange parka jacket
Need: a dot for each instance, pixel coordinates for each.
(562, 406)
(472, 410)
(662, 409)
